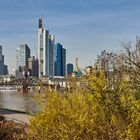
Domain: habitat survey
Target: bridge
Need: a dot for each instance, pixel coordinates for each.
(21, 81)
(24, 83)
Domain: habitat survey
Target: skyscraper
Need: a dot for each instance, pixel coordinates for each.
(5, 70)
(1, 61)
(33, 66)
(3, 67)
(69, 69)
(43, 47)
(22, 55)
(40, 47)
(63, 62)
(59, 60)
(52, 57)
(45, 51)
(51, 54)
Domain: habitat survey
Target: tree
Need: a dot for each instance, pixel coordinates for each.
(90, 110)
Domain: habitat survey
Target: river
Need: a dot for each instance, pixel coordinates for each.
(17, 101)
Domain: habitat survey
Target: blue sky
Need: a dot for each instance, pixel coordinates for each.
(83, 27)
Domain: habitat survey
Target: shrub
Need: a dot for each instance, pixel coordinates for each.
(89, 111)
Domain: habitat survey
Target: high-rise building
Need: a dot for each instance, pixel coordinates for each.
(59, 60)
(22, 55)
(33, 66)
(3, 68)
(63, 62)
(69, 69)
(1, 61)
(40, 47)
(51, 55)
(45, 51)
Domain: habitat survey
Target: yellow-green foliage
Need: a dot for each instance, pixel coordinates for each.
(87, 112)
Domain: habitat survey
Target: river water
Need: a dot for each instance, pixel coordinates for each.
(17, 101)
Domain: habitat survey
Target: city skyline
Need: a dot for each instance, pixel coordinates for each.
(51, 55)
(84, 28)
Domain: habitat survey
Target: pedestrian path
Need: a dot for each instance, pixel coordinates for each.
(14, 115)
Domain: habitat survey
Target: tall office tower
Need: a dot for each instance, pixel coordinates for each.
(22, 55)
(40, 47)
(43, 50)
(69, 69)
(51, 53)
(5, 71)
(1, 61)
(59, 60)
(46, 53)
(63, 62)
(33, 66)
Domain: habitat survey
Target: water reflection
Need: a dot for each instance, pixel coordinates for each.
(16, 101)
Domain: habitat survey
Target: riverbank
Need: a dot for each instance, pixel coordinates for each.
(10, 130)
(16, 116)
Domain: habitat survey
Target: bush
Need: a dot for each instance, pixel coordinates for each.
(12, 131)
(89, 111)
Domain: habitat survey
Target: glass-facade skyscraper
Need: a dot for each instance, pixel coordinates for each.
(51, 55)
(69, 69)
(3, 67)
(63, 62)
(59, 60)
(45, 53)
(22, 55)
